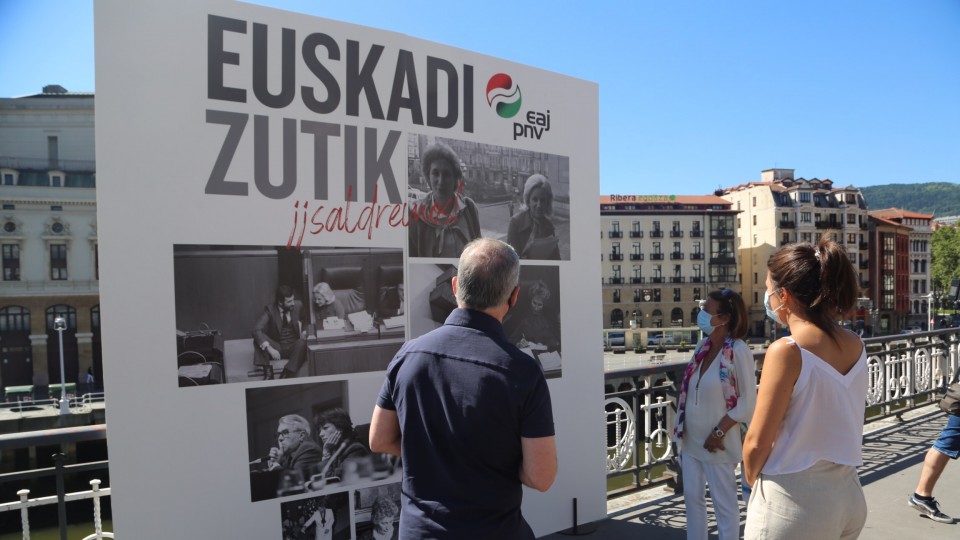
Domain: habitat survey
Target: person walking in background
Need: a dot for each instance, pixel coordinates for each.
(806, 438)
(945, 448)
(469, 412)
(717, 394)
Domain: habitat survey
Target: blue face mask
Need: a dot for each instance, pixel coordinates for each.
(703, 321)
(772, 313)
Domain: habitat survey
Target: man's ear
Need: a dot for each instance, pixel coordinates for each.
(512, 299)
(453, 283)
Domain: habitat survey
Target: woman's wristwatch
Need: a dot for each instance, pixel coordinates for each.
(718, 433)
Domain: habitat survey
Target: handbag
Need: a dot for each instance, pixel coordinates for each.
(950, 402)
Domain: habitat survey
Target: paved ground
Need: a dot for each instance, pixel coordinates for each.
(893, 455)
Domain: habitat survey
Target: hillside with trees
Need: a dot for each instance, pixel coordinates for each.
(941, 199)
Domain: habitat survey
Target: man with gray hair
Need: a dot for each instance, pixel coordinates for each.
(295, 448)
(469, 412)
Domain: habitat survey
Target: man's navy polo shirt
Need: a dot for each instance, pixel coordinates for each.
(464, 396)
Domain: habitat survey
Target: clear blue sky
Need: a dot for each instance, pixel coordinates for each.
(693, 94)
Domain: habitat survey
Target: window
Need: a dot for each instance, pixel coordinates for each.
(676, 295)
(696, 226)
(616, 296)
(851, 219)
(615, 248)
(805, 237)
(658, 271)
(804, 196)
(805, 217)
(53, 151)
(697, 272)
(676, 247)
(696, 248)
(676, 270)
(754, 201)
(656, 225)
(656, 247)
(851, 238)
(11, 262)
(56, 180)
(754, 220)
(58, 262)
(636, 248)
(785, 238)
(636, 272)
(8, 179)
(755, 276)
(696, 293)
(615, 226)
(616, 271)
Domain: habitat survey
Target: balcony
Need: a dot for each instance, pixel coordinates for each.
(827, 224)
(676, 279)
(656, 256)
(696, 279)
(636, 256)
(656, 280)
(636, 280)
(636, 234)
(676, 234)
(785, 242)
(787, 224)
(615, 281)
(614, 234)
(721, 233)
(656, 234)
(676, 256)
(723, 258)
(615, 256)
(696, 256)
(696, 234)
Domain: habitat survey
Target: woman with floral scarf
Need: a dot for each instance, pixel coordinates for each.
(717, 394)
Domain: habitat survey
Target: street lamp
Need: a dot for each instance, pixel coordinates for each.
(60, 324)
(930, 315)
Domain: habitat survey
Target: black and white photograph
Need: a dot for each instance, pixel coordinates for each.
(247, 313)
(301, 438)
(461, 190)
(533, 323)
(376, 514)
(317, 518)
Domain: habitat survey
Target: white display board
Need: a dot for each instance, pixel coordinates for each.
(241, 149)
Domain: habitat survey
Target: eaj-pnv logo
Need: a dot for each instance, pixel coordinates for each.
(503, 95)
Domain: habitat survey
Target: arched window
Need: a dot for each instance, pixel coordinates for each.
(676, 317)
(616, 318)
(69, 313)
(657, 317)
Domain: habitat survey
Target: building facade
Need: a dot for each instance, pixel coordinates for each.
(661, 255)
(48, 237)
(889, 282)
(780, 209)
(918, 266)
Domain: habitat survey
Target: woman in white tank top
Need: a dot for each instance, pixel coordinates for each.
(804, 444)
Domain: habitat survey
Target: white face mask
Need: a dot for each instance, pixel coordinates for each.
(772, 313)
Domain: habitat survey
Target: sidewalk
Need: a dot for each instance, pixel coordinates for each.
(893, 456)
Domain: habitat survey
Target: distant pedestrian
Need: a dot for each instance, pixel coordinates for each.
(945, 448)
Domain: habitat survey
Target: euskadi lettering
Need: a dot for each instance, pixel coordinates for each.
(341, 77)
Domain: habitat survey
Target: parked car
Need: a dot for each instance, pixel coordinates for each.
(656, 340)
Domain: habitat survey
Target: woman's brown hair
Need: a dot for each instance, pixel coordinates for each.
(820, 277)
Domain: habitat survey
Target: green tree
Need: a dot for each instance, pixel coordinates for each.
(945, 257)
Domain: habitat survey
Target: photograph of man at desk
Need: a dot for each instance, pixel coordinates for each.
(302, 439)
(532, 324)
(247, 313)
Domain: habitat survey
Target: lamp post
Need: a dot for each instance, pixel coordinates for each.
(930, 315)
(60, 324)
(874, 312)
